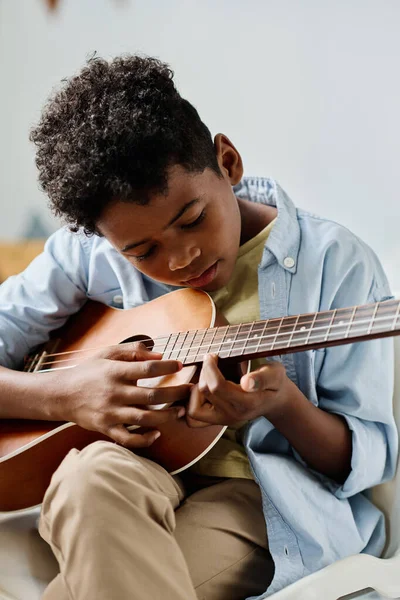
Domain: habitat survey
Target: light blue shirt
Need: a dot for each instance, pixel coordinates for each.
(311, 520)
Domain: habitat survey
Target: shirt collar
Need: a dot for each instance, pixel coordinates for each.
(284, 240)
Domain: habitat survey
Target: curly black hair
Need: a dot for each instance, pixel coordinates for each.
(112, 132)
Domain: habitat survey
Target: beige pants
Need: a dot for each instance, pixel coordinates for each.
(122, 528)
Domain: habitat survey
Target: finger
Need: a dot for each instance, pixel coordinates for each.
(219, 391)
(149, 418)
(122, 436)
(200, 410)
(149, 368)
(264, 378)
(195, 424)
(211, 378)
(163, 395)
(130, 351)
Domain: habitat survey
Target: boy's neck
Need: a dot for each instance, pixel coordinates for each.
(254, 217)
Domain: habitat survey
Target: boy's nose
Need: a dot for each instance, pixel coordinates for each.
(182, 258)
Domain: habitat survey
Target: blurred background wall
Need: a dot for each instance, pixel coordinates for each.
(308, 90)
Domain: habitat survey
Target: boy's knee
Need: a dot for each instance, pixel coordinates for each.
(103, 480)
(85, 475)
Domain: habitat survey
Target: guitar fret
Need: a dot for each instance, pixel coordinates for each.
(241, 338)
(206, 342)
(166, 345)
(190, 352)
(341, 323)
(248, 335)
(396, 317)
(209, 350)
(262, 335)
(256, 335)
(330, 325)
(181, 349)
(363, 320)
(225, 351)
(351, 321)
(220, 349)
(246, 340)
(277, 333)
(172, 340)
(187, 346)
(311, 328)
(200, 344)
(293, 330)
(268, 332)
(178, 345)
(234, 340)
(372, 319)
(300, 329)
(284, 332)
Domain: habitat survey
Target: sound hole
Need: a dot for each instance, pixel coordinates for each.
(145, 339)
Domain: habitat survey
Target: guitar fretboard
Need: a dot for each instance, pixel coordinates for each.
(284, 335)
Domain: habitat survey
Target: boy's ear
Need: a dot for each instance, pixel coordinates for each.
(229, 159)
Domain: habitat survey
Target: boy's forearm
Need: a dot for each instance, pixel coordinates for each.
(27, 396)
(322, 439)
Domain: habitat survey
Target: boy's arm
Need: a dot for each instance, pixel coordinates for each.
(322, 439)
(350, 438)
(28, 396)
(99, 394)
(32, 304)
(41, 298)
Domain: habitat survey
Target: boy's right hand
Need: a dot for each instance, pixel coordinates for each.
(101, 394)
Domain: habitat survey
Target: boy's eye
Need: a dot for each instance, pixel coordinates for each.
(196, 221)
(146, 255)
(187, 226)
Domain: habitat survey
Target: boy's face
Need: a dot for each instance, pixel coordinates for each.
(190, 237)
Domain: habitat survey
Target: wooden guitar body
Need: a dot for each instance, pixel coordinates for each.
(30, 451)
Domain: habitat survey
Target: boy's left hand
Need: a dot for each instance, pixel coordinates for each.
(214, 400)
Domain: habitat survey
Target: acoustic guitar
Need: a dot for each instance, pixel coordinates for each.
(183, 325)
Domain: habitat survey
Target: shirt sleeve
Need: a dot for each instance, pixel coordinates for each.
(41, 298)
(356, 380)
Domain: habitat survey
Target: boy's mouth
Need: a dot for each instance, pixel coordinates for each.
(205, 278)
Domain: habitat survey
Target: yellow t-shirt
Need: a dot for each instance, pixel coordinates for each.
(239, 304)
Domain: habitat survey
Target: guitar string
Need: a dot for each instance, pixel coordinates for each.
(383, 305)
(208, 345)
(79, 361)
(257, 339)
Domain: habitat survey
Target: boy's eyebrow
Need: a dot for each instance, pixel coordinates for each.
(181, 211)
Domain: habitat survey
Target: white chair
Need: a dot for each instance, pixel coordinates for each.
(27, 564)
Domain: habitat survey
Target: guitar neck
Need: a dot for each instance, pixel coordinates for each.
(285, 335)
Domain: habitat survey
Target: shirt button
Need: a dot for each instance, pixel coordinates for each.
(118, 299)
(288, 262)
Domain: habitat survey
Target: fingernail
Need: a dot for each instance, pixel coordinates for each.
(253, 383)
(156, 435)
(181, 412)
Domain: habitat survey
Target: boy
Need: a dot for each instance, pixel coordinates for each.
(155, 204)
